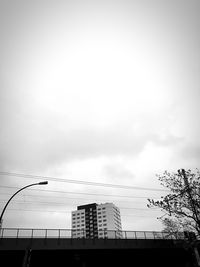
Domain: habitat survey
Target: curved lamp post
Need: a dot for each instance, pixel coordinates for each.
(1, 217)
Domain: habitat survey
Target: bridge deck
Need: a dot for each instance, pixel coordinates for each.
(52, 247)
(68, 244)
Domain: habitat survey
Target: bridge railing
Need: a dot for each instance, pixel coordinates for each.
(74, 234)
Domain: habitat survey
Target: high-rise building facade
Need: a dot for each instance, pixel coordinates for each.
(96, 221)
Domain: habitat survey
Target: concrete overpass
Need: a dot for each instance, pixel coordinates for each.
(52, 247)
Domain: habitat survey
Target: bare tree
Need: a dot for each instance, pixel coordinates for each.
(182, 204)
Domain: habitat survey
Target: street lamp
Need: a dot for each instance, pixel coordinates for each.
(1, 217)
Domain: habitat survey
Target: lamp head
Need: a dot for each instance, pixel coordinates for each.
(42, 183)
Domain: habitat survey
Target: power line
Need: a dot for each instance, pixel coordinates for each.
(67, 212)
(56, 179)
(62, 203)
(76, 193)
(34, 210)
(67, 198)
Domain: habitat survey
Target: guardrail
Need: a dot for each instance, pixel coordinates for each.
(74, 234)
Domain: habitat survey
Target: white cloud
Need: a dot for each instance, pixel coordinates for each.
(97, 90)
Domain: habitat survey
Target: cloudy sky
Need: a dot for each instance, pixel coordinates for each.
(99, 91)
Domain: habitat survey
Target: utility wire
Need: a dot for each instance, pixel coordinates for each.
(62, 203)
(76, 193)
(67, 212)
(56, 179)
(34, 210)
(67, 198)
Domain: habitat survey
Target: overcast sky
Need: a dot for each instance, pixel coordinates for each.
(100, 91)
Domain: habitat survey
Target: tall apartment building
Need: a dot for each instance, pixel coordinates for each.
(96, 221)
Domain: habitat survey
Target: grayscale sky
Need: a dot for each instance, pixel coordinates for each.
(101, 91)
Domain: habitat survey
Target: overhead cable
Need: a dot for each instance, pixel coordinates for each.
(56, 179)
